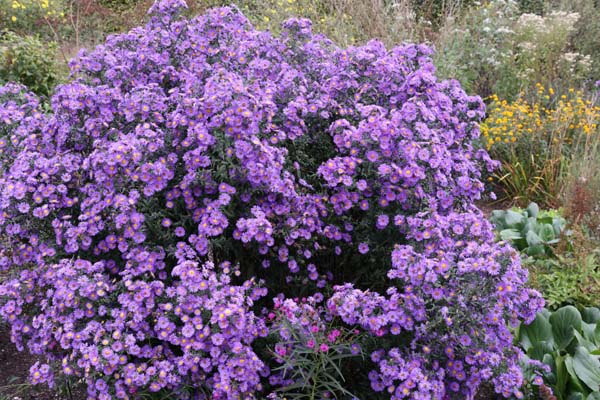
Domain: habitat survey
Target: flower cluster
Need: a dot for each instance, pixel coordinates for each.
(21, 12)
(188, 142)
(202, 323)
(456, 327)
(566, 118)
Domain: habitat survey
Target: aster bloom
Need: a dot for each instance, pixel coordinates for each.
(363, 248)
(272, 157)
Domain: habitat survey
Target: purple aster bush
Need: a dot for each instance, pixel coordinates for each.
(194, 169)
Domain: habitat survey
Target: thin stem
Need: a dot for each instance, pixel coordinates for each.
(56, 37)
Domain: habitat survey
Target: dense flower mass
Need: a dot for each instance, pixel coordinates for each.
(192, 166)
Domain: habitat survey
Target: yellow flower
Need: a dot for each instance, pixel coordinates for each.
(13, 18)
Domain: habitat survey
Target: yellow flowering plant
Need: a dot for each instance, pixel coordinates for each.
(22, 15)
(535, 140)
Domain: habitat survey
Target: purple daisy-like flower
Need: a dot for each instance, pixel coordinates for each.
(363, 248)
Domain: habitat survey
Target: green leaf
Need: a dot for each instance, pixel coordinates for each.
(558, 224)
(539, 350)
(573, 379)
(547, 233)
(564, 322)
(593, 396)
(589, 331)
(584, 342)
(514, 219)
(510, 234)
(576, 396)
(498, 219)
(533, 239)
(536, 250)
(533, 210)
(587, 368)
(590, 314)
(562, 374)
(538, 331)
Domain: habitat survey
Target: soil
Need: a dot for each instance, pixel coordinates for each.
(14, 370)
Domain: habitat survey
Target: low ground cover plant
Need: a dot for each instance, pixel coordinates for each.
(204, 207)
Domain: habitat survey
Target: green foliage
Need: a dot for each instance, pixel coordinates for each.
(31, 16)
(587, 31)
(436, 11)
(478, 49)
(530, 231)
(315, 371)
(496, 49)
(27, 60)
(567, 279)
(568, 342)
(532, 6)
(119, 4)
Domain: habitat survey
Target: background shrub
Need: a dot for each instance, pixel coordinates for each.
(28, 60)
(495, 49)
(32, 17)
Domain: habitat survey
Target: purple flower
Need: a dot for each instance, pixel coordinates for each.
(363, 248)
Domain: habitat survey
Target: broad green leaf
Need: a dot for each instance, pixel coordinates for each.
(562, 374)
(590, 314)
(584, 342)
(587, 368)
(558, 224)
(538, 331)
(564, 322)
(545, 220)
(514, 219)
(576, 396)
(539, 349)
(510, 234)
(589, 331)
(573, 379)
(498, 219)
(533, 210)
(593, 396)
(536, 250)
(547, 233)
(533, 239)
(549, 361)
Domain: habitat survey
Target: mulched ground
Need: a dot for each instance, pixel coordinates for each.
(14, 370)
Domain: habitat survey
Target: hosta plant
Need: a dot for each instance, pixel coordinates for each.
(568, 342)
(531, 231)
(194, 170)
